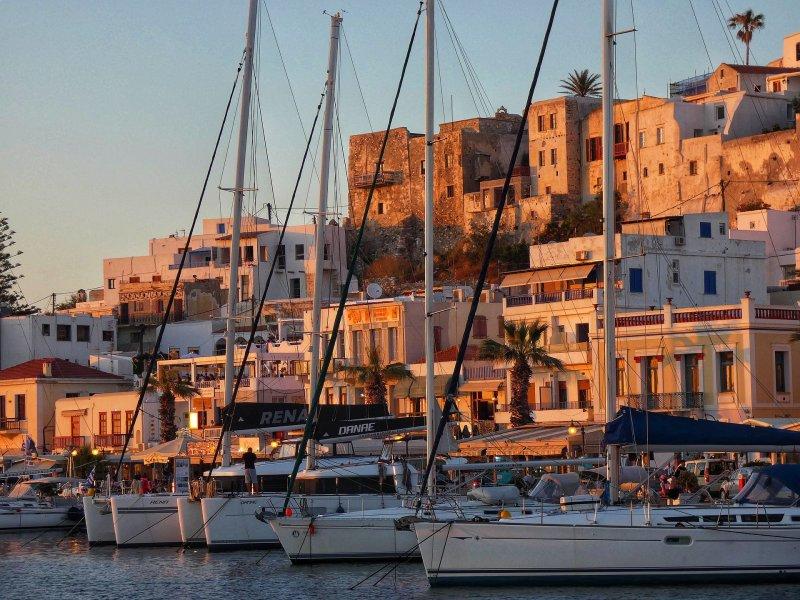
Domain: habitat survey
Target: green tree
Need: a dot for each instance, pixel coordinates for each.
(523, 349)
(169, 385)
(746, 23)
(581, 83)
(12, 301)
(373, 376)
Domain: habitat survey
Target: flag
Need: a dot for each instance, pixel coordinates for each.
(90, 478)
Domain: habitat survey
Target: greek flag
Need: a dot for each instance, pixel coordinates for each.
(90, 478)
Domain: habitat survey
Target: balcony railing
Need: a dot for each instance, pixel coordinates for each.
(483, 373)
(109, 440)
(384, 178)
(666, 401)
(550, 297)
(69, 441)
(13, 424)
(564, 405)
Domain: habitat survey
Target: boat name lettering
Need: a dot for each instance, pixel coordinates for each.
(361, 428)
(284, 417)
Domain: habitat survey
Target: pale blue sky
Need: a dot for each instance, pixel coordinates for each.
(110, 109)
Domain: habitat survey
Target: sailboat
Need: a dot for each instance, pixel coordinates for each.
(756, 538)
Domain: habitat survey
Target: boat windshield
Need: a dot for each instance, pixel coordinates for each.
(552, 487)
(765, 488)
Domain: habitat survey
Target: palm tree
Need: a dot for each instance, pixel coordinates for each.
(581, 83)
(169, 386)
(523, 349)
(373, 376)
(747, 23)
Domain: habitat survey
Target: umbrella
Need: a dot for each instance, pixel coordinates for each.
(163, 452)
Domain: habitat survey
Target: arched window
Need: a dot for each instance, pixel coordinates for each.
(219, 347)
(240, 341)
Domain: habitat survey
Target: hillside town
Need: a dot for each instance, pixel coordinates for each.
(526, 290)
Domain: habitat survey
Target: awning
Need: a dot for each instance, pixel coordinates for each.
(567, 273)
(659, 432)
(415, 388)
(481, 385)
(78, 412)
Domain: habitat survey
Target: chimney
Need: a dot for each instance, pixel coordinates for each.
(47, 368)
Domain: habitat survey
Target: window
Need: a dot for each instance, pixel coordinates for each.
(582, 332)
(422, 167)
(659, 135)
(108, 335)
(262, 253)
(692, 167)
(541, 158)
(450, 191)
(448, 160)
(691, 373)
(547, 189)
(374, 339)
(697, 133)
(82, 333)
(111, 284)
(722, 228)
(635, 277)
(63, 333)
(756, 88)
(19, 405)
(133, 279)
(156, 278)
(248, 254)
(553, 120)
(725, 360)
(160, 304)
(356, 343)
(281, 256)
(621, 387)
(220, 227)
(651, 375)
(380, 208)
(138, 306)
(46, 329)
(128, 420)
(391, 346)
(660, 168)
(676, 271)
(540, 122)
(553, 156)
(116, 421)
(645, 172)
(594, 149)
(720, 111)
(705, 229)
(624, 176)
(710, 283)
(781, 363)
(294, 289)
(299, 252)
(776, 86)
(340, 346)
(642, 139)
(479, 330)
(326, 252)
(501, 327)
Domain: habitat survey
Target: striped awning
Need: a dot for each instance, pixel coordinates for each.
(567, 273)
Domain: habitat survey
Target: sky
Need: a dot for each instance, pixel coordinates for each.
(109, 110)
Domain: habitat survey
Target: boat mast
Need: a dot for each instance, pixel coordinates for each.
(321, 218)
(609, 240)
(238, 196)
(432, 415)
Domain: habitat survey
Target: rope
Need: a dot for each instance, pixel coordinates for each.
(168, 309)
(452, 386)
(320, 383)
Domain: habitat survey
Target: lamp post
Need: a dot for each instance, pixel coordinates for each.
(573, 429)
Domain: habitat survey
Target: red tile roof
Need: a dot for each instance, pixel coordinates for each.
(761, 70)
(62, 369)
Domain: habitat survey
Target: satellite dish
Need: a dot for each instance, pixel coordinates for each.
(374, 291)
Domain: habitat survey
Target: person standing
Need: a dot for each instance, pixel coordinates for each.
(250, 477)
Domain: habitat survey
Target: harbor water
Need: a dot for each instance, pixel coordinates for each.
(48, 565)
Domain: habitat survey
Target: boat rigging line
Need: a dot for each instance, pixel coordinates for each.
(320, 381)
(168, 308)
(226, 424)
(452, 384)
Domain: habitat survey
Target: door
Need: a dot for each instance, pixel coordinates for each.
(75, 426)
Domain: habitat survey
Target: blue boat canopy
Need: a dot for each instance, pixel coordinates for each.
(641, 430)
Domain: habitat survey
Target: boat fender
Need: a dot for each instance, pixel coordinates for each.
(74, 514)
(288, 512)
(311, 529)
(504, 514)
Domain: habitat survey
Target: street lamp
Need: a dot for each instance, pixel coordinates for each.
(95, 452)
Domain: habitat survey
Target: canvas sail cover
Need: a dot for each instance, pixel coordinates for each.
(284, 416)
(642, 430)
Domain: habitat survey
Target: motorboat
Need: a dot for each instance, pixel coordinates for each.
(39, 504)
(756, 538)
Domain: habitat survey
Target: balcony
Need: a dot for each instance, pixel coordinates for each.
(109, 440)
(550, 297)
(672, 401)
(13, 425)
(384, 178)
(620, 149)
(62, 442)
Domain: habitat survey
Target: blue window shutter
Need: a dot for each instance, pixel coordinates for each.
(705, 229)
(710, 283)
(636, 281)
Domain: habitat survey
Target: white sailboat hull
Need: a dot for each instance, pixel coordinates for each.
(231, 523)
(19, 516)
(146, 520)
(190, 518)
(575, 551)
(99, 521)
